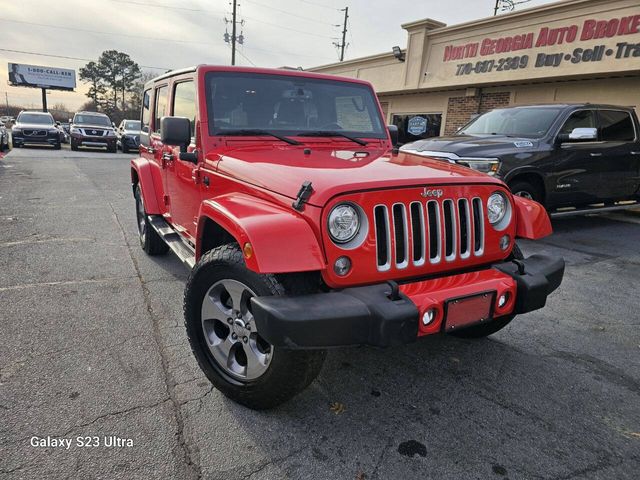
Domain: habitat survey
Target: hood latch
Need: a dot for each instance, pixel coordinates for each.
(303, 195)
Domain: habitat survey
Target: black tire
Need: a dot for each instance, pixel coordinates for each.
(527, 190)
(57, 146)
(288, 371)
(486, 329)
(125, 149)
(74, 147)
(112, 149)
(150, 241)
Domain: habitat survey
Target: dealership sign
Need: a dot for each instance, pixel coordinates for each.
(21, 75)
(554, 47)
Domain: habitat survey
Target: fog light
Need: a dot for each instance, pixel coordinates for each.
(505, 241)
(342, 266)
(428, 316)
(502, 300)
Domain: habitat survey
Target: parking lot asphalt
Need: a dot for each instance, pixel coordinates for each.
(92, 344)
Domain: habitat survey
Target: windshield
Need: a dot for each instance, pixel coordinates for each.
(515, 122)
(290, 105)
(133, 125)
(92, 120)
(35, 118)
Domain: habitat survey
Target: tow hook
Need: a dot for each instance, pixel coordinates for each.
(520, 266)
(394, 295)
(303, 195)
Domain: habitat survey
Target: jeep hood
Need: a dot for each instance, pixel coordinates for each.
(334, 171)
(472, 145)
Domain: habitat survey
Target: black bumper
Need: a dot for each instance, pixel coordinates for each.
(375, 315)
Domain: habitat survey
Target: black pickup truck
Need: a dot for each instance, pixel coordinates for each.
(559, 155)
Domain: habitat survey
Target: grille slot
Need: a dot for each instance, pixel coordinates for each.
(383, 237)
(400, 233)
(478, 227)
(416, 232)
(465, 227)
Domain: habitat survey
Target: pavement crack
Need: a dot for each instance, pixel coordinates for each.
(275, 461)
(188, 455)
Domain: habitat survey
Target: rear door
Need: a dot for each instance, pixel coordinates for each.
(620, 172)
(182, 176)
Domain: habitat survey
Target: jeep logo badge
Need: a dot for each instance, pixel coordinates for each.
(437, 193)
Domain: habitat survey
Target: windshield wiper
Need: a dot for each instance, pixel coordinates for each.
(249, 132)
(328, 133)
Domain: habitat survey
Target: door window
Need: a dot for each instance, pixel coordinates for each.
(146, 111)
(160, 107)
(184, 102)
(616, 126)
(579, 119)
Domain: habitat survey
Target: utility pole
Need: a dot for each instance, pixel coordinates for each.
(495, 10)
(344, 33)
(234, 38)
(233, 33)
(44, 99)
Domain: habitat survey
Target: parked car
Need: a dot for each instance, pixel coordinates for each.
(64, 136)
(304, 229)
(93, 130)
(35, 128)
(128, 133)
(559, 155)
(4, 137)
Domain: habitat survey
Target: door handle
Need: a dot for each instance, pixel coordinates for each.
(593, 154)
(167, 157)
(149, 150)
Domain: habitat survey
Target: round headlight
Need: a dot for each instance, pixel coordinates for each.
(344, 223)
(496, 207)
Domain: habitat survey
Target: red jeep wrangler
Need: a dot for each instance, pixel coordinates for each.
(305, 228)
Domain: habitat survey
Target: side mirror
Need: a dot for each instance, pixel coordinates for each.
(579, 135)
(393, 133)
(177, 131)
(58, 123)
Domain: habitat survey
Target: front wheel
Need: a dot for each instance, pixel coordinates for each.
(527, 190)
(225, 340)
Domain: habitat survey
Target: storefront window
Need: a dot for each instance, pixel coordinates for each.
(415, 126)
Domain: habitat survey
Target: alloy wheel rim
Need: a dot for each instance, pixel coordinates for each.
(142, 224)
(230, 331)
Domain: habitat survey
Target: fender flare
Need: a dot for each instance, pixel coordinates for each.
(141, 169)
(525, 170)
(532, 220)
(281, 240)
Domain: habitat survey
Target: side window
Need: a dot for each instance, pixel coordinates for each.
(160, 107)
(146, 111)
(579, 119)
(616, 126)
(184, 102)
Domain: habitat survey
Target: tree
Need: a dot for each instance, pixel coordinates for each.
(112, 78)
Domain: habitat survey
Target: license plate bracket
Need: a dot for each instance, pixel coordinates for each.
(462, 312)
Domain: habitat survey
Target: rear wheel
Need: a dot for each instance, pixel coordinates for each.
(486, 329)
(225, 340)
(527, 190)
(150, 241)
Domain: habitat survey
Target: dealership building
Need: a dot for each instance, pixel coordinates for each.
(565, 52)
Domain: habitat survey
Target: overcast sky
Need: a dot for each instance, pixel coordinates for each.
(178, 33)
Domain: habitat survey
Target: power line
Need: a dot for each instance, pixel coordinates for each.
(172, 7)
(291, 14)
(319, 5)
(103, 33)
(69, 58)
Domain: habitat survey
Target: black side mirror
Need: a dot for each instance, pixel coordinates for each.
(393, 133)
(175, 131)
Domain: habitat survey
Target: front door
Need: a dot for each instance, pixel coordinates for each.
(150, 141)
(182, 176)
(620, 173)
(577, 166)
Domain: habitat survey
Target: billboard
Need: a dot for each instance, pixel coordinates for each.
(21, 75)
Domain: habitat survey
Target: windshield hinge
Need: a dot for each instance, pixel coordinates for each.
(303, 195)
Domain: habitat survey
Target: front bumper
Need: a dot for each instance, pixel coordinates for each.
(93, 142)
(384, 315)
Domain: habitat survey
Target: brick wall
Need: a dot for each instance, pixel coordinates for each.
(461, 109)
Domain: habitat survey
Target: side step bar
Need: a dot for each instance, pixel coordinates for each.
(182, 249)
(594, 209)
